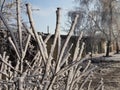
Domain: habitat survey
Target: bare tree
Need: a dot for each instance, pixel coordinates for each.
(98, 17)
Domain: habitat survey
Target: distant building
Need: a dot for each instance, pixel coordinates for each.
(92, 44)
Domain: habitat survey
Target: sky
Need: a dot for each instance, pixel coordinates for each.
(44, 13)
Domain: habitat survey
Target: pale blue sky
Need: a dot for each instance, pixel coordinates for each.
(46, 16)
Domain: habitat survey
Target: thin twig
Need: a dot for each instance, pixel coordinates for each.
(66, 42)
(19, 23)
(35, 33)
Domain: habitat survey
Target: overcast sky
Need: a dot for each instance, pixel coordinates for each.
(46, 15)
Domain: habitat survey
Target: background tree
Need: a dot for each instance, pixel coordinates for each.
(88, 11)
(97, 16)
(115, 24)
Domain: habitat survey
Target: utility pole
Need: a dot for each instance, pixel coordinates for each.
(48, 30)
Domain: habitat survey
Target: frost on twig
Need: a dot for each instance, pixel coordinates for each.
(33, 65)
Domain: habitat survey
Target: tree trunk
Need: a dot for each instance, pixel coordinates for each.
(108, 48)
(117, 47)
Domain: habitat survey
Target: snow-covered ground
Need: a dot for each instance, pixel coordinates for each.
(101, 58)
(108, 69)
